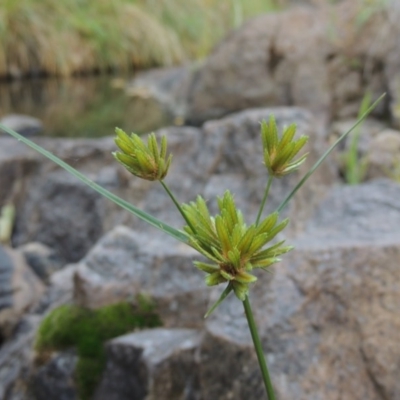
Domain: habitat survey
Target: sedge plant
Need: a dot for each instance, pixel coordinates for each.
(232, 248)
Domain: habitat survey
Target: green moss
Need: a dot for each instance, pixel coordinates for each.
(87, 330)
(87, 375)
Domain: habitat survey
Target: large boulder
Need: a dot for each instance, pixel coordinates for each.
(319, 58)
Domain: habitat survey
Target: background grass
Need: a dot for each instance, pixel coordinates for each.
(83, 36)
(355, 168)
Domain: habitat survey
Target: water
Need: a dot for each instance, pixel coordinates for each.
(82, 107)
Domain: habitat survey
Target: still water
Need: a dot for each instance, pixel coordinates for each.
(82, 107)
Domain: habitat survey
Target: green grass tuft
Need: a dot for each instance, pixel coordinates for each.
(355, 168)
(87, 330)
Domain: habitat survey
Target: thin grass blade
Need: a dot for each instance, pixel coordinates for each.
(178, 235)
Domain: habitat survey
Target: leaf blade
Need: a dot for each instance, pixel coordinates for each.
(176, 234)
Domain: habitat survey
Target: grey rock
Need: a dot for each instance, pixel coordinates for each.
(59, 290)
(54, 379)
(20, 290)
(392, 66)
(66, 213)
(383, 158)
(158, 364)
(167, 87)
(328, 316)
(377, 148)
(124, 264)
(15, 357)
(317, 58)
(368, 130)
(23, 124)
(368, 212)
(42, 259)
(228, 365)
(6, 272)
(17, 165)
(24, 174)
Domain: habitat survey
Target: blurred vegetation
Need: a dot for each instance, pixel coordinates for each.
(87, 330)
(356, 168)
(81, 36)
(82, 106)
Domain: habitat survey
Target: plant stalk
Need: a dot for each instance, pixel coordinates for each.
(178, 206)
(257, 346)
(270, 178)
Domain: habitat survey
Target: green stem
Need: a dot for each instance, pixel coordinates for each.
(178, 206)
(258, 348)
(264, 198)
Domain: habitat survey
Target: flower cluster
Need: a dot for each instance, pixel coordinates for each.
(279, 154)
(233, 248)
(146, 162)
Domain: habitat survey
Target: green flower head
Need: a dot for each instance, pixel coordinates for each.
(233, 248)
(147, 162)
(279, 154)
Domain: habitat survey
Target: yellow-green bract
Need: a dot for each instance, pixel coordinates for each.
(146, 162)
(279, 154)
(233, 248)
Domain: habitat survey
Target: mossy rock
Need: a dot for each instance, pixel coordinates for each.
(87, 330)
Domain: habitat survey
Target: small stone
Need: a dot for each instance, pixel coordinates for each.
(20, 290)
(42, 259)
(54, 379)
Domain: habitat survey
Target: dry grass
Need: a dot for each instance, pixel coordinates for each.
(80, 36)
